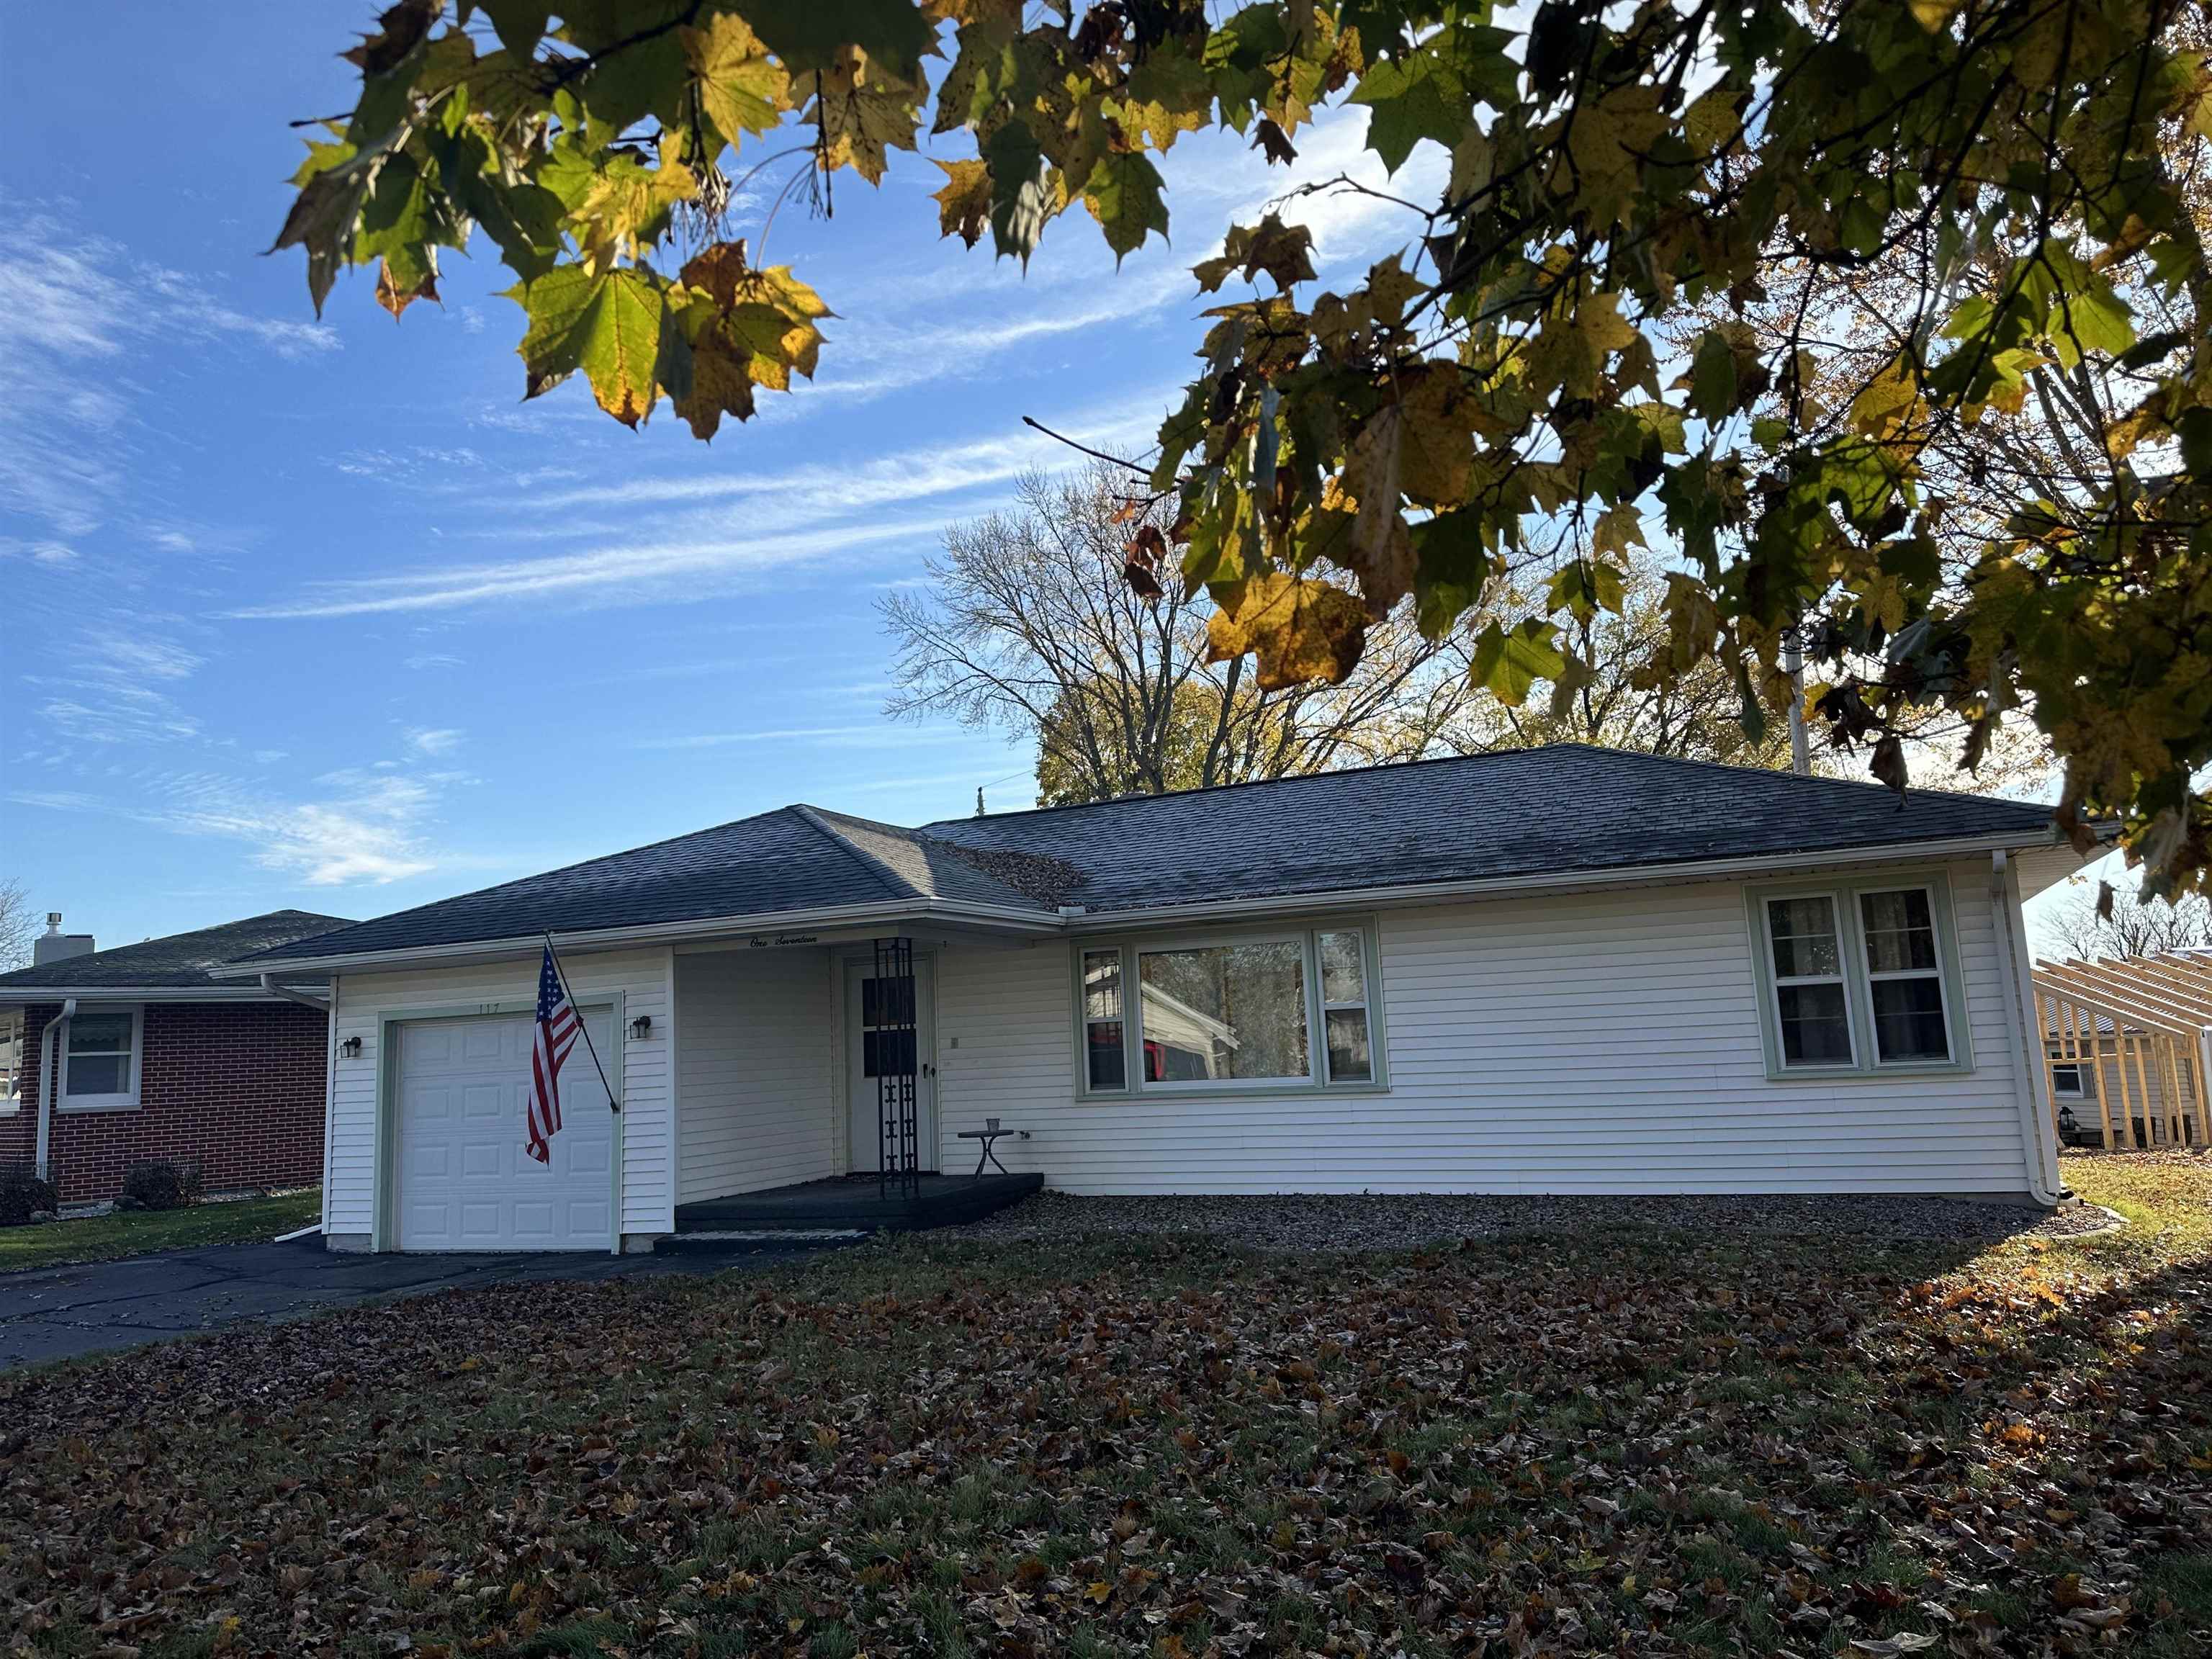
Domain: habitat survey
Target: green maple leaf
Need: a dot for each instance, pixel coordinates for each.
(1021, 201)
(1431, 91)
(1124, 196)
(806, 34)
(1511, 661)
(520, 24)
(613, 325)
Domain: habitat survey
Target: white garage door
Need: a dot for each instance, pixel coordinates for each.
(466, 1182)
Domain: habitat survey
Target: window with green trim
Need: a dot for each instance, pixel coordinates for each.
(1858, 976)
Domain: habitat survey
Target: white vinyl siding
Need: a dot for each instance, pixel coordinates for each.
(639, 1072)
(755, 1040)
(1588, 1042)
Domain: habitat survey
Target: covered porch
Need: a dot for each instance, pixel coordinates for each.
(808, 1083)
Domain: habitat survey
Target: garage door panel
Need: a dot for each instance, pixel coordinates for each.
(466, 1182)
(487, 1100)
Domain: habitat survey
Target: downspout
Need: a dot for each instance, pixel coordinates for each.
(292, 994)
(329, 1078)
(2037, 1132)
(50, 1082)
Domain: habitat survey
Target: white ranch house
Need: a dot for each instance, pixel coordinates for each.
(1565, 970)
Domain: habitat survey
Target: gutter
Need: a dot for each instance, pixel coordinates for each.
(30, 995)
(670, 933)
(2038, 1134)
(50, 1083)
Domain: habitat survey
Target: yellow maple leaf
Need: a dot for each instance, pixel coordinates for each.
(864, 113)
(963, 206)
(1300, 630)
(741, 88)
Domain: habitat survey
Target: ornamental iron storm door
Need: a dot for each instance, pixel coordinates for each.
(892, 1053)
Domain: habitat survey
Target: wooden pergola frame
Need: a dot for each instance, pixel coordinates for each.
(2158, 1010)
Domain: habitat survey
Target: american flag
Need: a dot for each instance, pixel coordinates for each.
(558, 1027)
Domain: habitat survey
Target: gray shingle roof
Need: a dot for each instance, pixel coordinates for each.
(1558, 810)
(795, 858)
(179, 961)
(1561, 809)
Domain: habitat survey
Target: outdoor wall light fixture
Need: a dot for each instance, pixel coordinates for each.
(350, 1048)
(640, 1028)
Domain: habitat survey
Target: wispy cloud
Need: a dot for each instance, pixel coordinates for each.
(435, 740)
(116, 688)
(640, 573)
(74, 309)
(360, 828)
(878, 734)
(187, 304)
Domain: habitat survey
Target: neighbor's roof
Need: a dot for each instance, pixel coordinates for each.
(1561, 809)
(180, 961)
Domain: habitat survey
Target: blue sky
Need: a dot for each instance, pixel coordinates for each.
(321, 614)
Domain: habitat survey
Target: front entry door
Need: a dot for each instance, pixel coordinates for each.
(875, 1039)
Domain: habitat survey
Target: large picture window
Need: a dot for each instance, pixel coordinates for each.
(1859, 977)
(1290, 1011)
(1224, 1012)
(100, 1069)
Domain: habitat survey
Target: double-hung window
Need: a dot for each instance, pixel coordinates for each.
(1812, 1007)
(1904, 984)
(1859, 976)
(100, 1067)
(1290, 1009)
(11, 1060)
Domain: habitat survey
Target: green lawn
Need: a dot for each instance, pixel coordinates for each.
(102, 1238)
(1627, 1443)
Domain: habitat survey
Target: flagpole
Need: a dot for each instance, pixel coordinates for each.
(562, 974)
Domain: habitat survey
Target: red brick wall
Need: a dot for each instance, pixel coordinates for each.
(238, 1085)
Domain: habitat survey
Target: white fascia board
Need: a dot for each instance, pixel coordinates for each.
(27, 996)
(658, 934)
(1581, 881)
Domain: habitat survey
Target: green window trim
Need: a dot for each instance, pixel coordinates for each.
(1107, 1010)
(1858, 976)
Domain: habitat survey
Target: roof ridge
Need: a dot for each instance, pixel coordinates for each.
(1483, 755)
(1768, 771)
(819, 818)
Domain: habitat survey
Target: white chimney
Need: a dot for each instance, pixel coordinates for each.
(55, 946)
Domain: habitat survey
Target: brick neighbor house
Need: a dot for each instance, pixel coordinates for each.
(109, 1058)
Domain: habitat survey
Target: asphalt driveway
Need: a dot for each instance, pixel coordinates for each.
(57, 1313)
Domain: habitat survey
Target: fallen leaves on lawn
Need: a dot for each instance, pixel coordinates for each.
(1616, 1443)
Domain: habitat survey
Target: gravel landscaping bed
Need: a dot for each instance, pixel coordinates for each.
(1385, 1221)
